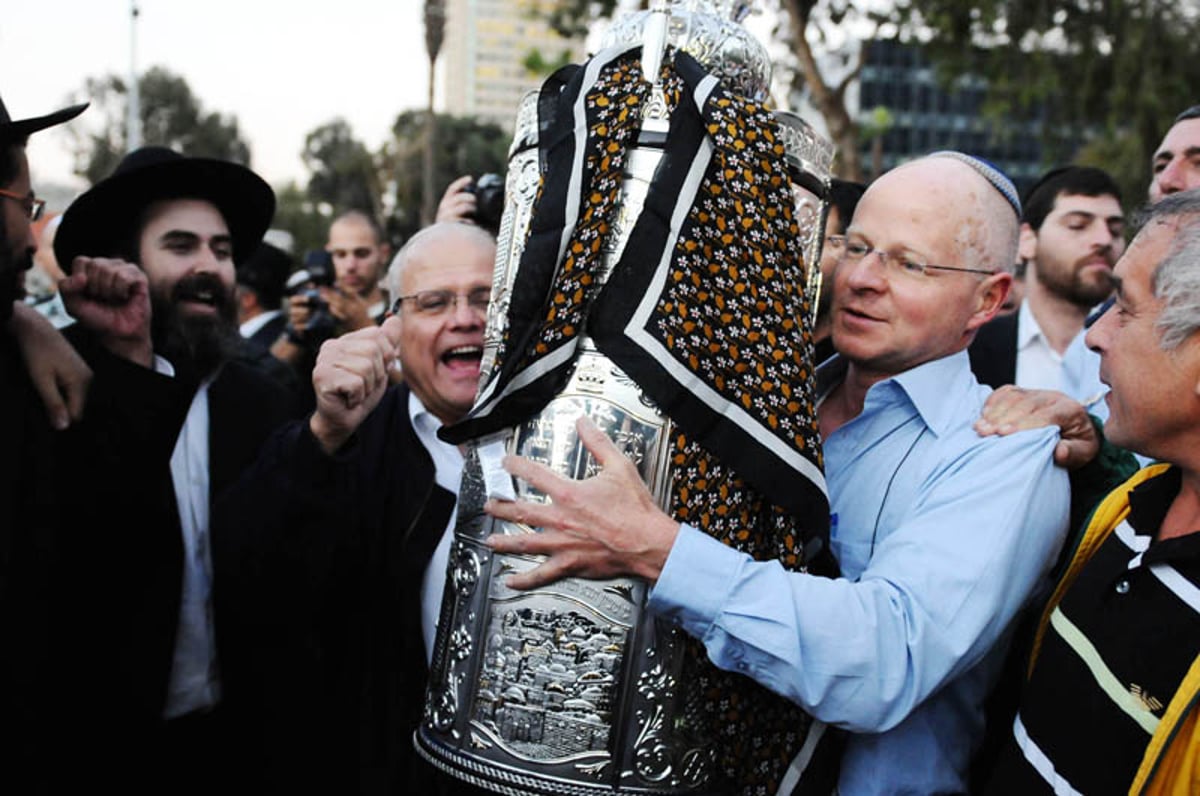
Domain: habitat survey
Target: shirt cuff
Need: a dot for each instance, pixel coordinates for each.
(694, 584)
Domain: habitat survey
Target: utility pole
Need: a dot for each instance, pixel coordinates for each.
(133, 119)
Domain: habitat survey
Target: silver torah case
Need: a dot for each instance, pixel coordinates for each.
(575, 688)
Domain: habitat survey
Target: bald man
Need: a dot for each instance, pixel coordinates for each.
(367, 489)
(942, 536)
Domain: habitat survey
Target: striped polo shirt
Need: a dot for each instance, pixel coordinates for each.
(1115, 651)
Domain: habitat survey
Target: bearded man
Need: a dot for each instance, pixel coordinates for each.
(144, 698)
(1072, 234)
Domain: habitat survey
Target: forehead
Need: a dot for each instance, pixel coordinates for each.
(1147, 250)
(351, 232)
(1102, 205)
(925, 206)
(448, 261)
(1182, 136)
(198, 216)
(20, 180)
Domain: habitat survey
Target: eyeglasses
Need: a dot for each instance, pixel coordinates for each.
(439, 302)
(34, 207)
(853, 251)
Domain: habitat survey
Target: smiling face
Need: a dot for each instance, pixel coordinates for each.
(886, 321)
(1076, 247)
(440, 352)
(1154, 403)
(187, 254)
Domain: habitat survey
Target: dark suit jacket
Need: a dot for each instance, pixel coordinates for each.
(269, 332)
(993, 352)
(115, 566)
(332, 553)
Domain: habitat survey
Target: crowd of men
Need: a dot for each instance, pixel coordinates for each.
(228, 510)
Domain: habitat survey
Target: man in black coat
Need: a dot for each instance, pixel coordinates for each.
(135, 678)
(346, 522)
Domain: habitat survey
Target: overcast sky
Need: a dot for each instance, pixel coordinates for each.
(282, 68)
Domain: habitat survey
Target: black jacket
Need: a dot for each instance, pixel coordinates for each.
(993, 352)
(332, 555)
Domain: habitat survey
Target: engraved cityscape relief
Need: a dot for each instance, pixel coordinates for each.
(550, 673)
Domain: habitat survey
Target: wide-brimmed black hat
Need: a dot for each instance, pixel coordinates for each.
(12, 130)
(101, 222)
(266, 271)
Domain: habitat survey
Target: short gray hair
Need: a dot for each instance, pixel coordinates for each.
(429, 235)
(1176, 280)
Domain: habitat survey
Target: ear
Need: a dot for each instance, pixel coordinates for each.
(1027, 244)
(989, 298)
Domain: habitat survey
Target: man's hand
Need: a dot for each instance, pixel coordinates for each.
(349, 379)
(457, 204)
(348, 308)
(601, 527)
(58, 373)
(1011, 409)
(112, 298)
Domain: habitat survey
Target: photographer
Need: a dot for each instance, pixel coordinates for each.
(338, 290)
(479, 202)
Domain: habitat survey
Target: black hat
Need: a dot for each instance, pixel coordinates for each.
(266, 271)
(16, 130)
(101, 221)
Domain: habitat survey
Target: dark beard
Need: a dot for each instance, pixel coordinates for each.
(197, 344)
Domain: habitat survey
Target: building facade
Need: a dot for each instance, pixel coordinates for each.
(487, 45)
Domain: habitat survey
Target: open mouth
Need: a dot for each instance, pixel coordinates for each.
(463, 357)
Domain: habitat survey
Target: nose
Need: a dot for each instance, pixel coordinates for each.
(867, 273)
(463, 315)
(1098, 334)
(1171, 178)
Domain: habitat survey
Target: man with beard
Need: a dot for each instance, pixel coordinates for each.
(1071, 236)
(843, 198)
(144, 698)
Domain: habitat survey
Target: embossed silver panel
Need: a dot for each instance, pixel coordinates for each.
(574, 688)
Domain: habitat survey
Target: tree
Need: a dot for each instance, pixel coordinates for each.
(342, 168)
(435, 33)
(463, 146)
(307, 220)
(1106, 77)
(171, 116)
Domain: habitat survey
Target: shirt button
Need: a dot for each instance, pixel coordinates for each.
(1122, 586)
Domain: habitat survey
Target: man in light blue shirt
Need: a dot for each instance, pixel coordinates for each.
(942, 535)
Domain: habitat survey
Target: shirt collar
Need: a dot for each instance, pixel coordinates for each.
(933, 388)
(1028, 329)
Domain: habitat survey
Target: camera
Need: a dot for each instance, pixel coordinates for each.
(489, 201)
(318, 272)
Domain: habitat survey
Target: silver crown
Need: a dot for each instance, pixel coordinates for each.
(711, 32)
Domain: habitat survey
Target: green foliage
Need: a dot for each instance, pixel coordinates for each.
(573, 19)
(171, 116)
(307, 220)
(463, 146)
(342, 168)
(1104, 77)
(537, 64)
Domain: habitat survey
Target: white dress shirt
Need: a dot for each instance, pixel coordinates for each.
(448, 465)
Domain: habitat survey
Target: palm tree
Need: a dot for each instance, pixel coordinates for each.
(435, 32)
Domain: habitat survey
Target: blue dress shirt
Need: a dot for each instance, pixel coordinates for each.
(942, 537)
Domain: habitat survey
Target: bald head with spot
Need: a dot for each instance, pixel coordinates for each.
(889, 317)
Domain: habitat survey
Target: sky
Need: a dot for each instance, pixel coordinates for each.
(283, 68)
